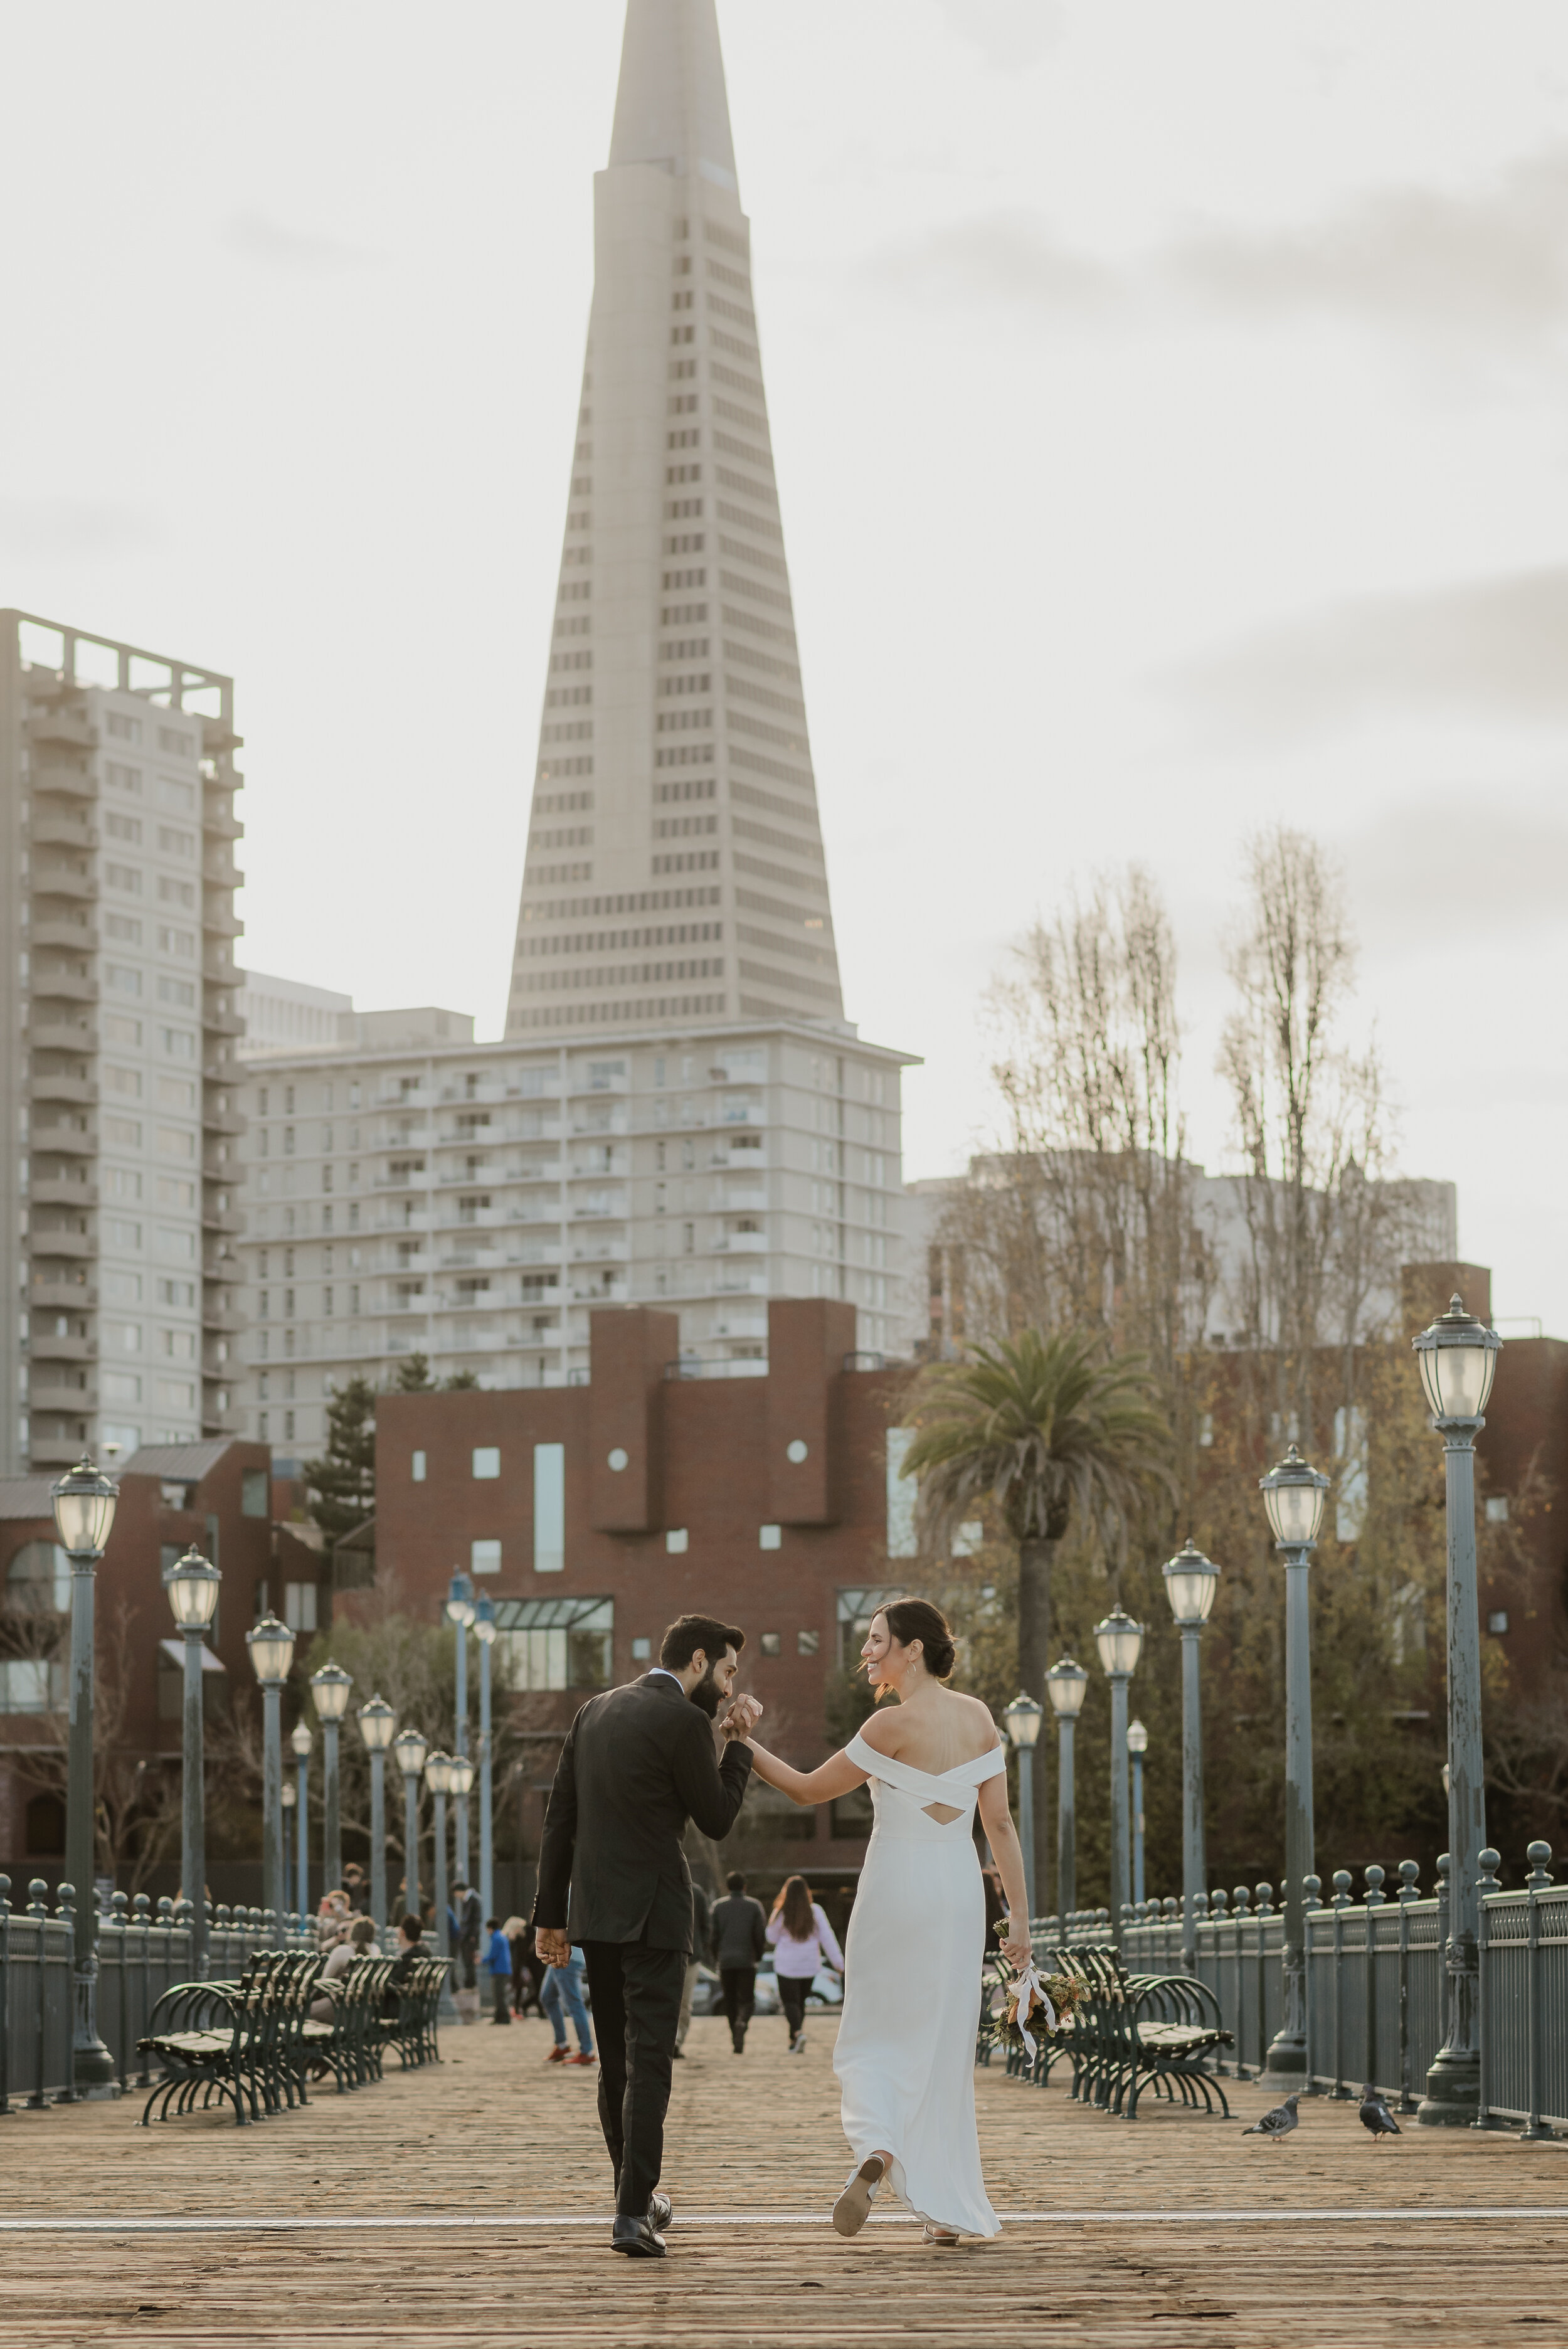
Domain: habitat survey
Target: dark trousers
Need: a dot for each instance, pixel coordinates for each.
(792, 1989)
(503, 1998)
(636, 1998)
(740, 1987)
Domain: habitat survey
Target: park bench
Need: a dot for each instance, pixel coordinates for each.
(1134, 2034)
(352, 2041)
(412, 2029)
(232, 2042)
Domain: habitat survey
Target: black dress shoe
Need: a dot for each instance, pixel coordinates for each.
(661, 2211)
(637, 2238)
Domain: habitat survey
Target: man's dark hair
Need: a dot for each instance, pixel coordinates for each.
(412, 1926)
(462, 1885)
(492, 1924)
(736, 1881)
(687, 1634)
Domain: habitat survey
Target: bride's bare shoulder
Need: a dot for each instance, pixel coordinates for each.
(977, 1719)
(879, 1731)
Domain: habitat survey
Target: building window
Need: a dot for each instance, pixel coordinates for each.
(486, 1460)
(1497, 1510)
(808, 1643)
(901, 1496)
(556, 1643)
(549, 1508)
(854, 1613)
(769, 1537)
(1497, 1621)
(253, 1493)
(484, 1556)
(299, 1605)
(39, 1582)
(642, 1652)
(417, 1467)
(771, 1644)
(675, 1541)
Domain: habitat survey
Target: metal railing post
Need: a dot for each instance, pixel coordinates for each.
(1371, 1901)
(1240, 1896)
(1408, 1872)
(1539, 1879)
(37, 1910)
(142, 1914)
(1311, 1899)
(1264, 1897)
(1490, 1862)
(1341, 1903)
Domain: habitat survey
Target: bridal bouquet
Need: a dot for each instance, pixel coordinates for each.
(1049, 2003)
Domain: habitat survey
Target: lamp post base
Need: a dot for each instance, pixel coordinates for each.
(1285, 2067)
(93, 2075)
(1453, 2090)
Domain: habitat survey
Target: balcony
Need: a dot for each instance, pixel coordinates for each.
(605, 1251)
(218, 968)
(221, 1220)
(222, 1120)
(62, 725)
(55, 1084)
(59, 1191)
(77, 935)
(71, 1295)
(55, 880)
(46, 1346)
(223, 1423)
(54, 1035)
(221, 1023)
(412, 1178)
(55, 828)
(741, 1244)
(73, 1141)
(61, 1395)
(53, 985)
(615, 1293)
(223, 1319)
(64, 782)
(53, 1450)
(54, 1240)
(219, 918)
(220, 872)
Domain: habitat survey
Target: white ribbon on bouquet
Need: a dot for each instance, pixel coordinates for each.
(1030, 1993)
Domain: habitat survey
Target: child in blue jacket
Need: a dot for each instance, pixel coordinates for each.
(498, 1964)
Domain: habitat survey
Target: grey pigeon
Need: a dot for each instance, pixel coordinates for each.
(1279, 2123)
(1376, 2115)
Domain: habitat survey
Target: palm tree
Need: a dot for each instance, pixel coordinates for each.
(1042, 1427)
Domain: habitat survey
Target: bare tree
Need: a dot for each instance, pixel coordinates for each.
(136, 1796)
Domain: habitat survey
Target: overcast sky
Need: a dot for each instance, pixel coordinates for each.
(1169, 407)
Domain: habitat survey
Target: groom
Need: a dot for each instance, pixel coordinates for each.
(637, 1764)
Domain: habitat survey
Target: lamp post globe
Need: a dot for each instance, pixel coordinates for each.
(329, 1690)
(410, 1749)
(376, 1722)
(1457, 1355)
(84, 1505)
(1066, 1683)
(270, 1645)
(1191, 1581)
(485, 1632)
(1120, 1642)
(461, 1600)
(193, 1586)
(1295, 1498)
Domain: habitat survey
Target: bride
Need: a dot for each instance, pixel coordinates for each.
(906, 2053)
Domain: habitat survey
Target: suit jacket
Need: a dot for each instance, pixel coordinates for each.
(636, 1765)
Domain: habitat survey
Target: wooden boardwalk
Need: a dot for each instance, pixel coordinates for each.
(445, 2207)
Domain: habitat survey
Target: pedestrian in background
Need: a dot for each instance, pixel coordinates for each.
(525, 1981)
(699, 1931)
(803, 1945)
(737, 1936)
(498, 1965)
(562, 1995)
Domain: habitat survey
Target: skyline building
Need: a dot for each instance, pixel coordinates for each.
(674, 867)
(118, 1173)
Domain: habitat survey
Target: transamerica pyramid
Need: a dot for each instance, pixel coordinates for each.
(675, 867)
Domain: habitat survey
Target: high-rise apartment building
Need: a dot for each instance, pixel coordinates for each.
(674, 867)
(118, 1171)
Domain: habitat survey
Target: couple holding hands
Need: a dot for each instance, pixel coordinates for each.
(639, 1762)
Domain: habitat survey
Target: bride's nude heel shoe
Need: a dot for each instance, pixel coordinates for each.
(942, 2235)
(854, 2206)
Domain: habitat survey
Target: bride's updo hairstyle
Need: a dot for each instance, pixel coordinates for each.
(917, 1619)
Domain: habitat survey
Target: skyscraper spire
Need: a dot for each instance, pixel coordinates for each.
(674, 867)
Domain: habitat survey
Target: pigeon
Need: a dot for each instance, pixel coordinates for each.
(1278, 2122)
(1376, 2115)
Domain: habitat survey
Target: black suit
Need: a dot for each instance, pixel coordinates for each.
(637, 1764)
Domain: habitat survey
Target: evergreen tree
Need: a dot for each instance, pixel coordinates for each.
(414, 1376)
(342, 1483)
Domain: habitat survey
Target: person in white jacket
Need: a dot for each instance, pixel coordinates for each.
(803, 1945)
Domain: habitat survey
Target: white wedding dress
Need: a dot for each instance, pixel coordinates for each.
(906, 2053)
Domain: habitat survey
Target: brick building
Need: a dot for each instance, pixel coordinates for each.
(217, 1495)
(595, 1515)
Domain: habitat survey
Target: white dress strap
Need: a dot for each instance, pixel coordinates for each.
(968, 1775)
(983, 1766)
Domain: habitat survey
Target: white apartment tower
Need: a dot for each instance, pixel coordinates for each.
(675, 867)
(119, 1101)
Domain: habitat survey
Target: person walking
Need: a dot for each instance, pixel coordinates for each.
(524, 1986)
(562, 1996)
(498, 1965)
(737, 1936)
(803, 1945)
(699, 1923)
(637, 1764)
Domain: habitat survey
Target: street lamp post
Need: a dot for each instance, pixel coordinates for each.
(1023, 1718)
(290, 1794)
(1137, 1747)
(84, 1505)
(1065, 1685)
(1296, 1496)
(376, 1722)
(330, 1688)
(485, 1633)
(462, 1782)
(1119, 1641)
(1458, 1357)
(439, 1778)
(270, 1644)
(409, 1748)
(460, 1612)
(1190, 1581)
(193, 1588)
(299, 1739)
